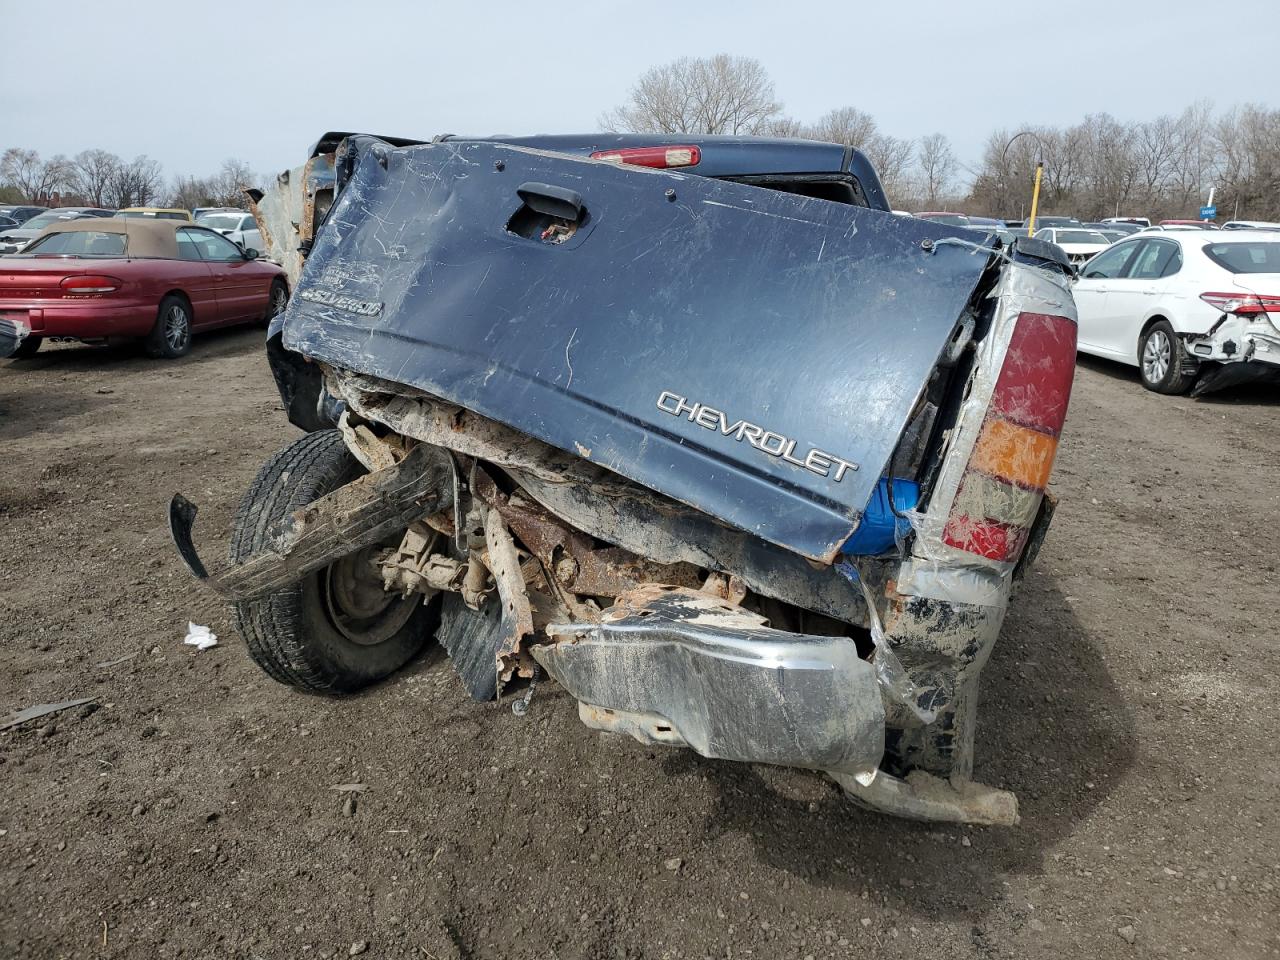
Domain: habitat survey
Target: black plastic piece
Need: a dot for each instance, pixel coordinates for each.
(9, 339)
(1041, 253)
(182, 517)
(472, 639)
(307, 404)
(552, 201)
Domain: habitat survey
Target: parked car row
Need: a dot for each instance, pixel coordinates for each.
(15, 239)
(19, 225)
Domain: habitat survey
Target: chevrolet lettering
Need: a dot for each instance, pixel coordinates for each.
(775, 444)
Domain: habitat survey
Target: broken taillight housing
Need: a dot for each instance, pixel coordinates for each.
(662, 157)
(1009, 467)
(1242, 304)
(90, 284)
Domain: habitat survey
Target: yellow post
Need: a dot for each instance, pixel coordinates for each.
(1035, 200)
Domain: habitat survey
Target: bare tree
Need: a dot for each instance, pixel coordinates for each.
(937, 165)
(890, 155)
(1194, 156)
(847, 125)
(36, 179)
(91, 174)
(138, 183)
(713, 95)
(1108, 171)
(188, 192)
(1247, 145)
(785, 127)
(227, 186)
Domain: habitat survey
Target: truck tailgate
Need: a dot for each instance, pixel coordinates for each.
(748, 352)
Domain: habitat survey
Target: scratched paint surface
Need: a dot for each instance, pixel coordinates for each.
(751, 353)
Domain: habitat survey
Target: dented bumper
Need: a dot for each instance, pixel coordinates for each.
(1241, 349)
(12, 334)
(682, 667)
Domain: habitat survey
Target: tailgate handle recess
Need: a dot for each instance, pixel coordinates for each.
(552, 201)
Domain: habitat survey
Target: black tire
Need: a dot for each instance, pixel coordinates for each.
(1161, 362)
(307, 635)
(27, 348)
(170, 338)
(279, 299)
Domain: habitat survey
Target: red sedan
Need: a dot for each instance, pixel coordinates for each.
(157, 280)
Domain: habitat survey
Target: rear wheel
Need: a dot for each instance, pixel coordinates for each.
(170, 338)
(27, 348)
(336, 630)
(278, 301)
(1163, 367)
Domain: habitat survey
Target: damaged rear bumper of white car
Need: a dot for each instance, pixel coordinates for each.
(1237, 349)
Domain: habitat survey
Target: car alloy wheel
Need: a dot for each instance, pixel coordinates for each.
(279, 300)
(177, 328)
(1157, 354)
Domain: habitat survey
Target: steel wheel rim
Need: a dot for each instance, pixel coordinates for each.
(356, 603)
(278, 300)
(176, 329)
(1156, 356)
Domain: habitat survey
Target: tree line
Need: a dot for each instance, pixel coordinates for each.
(1102, 166)
(99, 178)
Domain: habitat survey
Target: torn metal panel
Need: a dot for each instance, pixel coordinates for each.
(485, 641)
(722, 681)
(599, 345)
(360, 514)
(571, 558)
(517, 616)
(291, 210)
(608, 507)
(921, 796)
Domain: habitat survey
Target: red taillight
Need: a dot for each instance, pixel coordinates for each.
(662, 157)
(90, 284)
(1242, 304)
(1009, 466)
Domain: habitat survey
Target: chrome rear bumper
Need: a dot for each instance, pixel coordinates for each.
(680, 667)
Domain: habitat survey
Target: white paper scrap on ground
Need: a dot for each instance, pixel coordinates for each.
(202, 638)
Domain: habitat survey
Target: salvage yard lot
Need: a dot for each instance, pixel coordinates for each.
(1129, 703)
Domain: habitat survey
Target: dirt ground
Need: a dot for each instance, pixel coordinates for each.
(191, 811)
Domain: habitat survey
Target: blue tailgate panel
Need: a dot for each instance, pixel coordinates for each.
(751, 353)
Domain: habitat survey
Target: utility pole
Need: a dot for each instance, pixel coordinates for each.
(1035, 199)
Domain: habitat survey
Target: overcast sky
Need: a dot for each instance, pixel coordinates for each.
(192, 82)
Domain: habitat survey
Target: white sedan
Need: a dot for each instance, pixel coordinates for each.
(237, 226)
(1185, 306)
(1078, 244)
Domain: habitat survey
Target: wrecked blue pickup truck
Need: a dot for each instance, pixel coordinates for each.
(693, 425)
